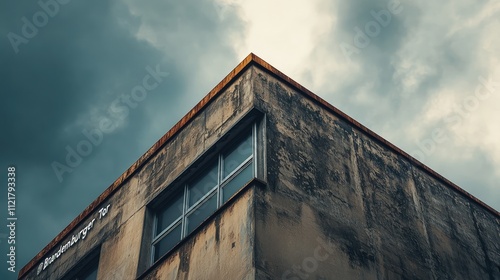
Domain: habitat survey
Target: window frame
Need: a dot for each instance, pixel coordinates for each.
(85, 266)
(250, 131)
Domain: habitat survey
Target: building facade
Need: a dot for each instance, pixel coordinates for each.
(264, 180)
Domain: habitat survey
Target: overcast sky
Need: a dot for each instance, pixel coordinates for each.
(425, 75)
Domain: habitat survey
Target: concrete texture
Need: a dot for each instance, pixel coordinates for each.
(222, 249)
(380, 216)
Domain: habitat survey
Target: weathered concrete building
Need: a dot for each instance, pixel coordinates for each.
(265, 180)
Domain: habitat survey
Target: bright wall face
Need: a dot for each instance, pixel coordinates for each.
(221, 249)
(340, 205)
(222, 245)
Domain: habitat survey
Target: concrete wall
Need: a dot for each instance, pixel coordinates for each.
(340, 205)
(123, 246)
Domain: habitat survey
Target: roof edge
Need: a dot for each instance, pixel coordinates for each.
(263, 64)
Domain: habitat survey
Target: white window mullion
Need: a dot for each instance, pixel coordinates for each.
(200, 201)
(219, 180)
(237, 169)
(184, 210)
(155, 225)
(162, 234)
(254, 150)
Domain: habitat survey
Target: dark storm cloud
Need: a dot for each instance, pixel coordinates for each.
(64, 80)
(449, 57)
(357, 19)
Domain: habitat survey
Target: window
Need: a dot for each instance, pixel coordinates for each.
(85, 269)
(202, 195)
(90, 274)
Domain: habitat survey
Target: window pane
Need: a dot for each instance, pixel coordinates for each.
(237, 155)
(206, 182)
(237, 182)
(168, 242)
(201, 213)
(92, 275)
(170, 213)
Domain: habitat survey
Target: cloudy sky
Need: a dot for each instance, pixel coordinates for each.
(424, 75)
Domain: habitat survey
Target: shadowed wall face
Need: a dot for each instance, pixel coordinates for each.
(339, 204)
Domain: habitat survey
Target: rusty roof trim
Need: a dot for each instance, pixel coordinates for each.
(251, 59)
